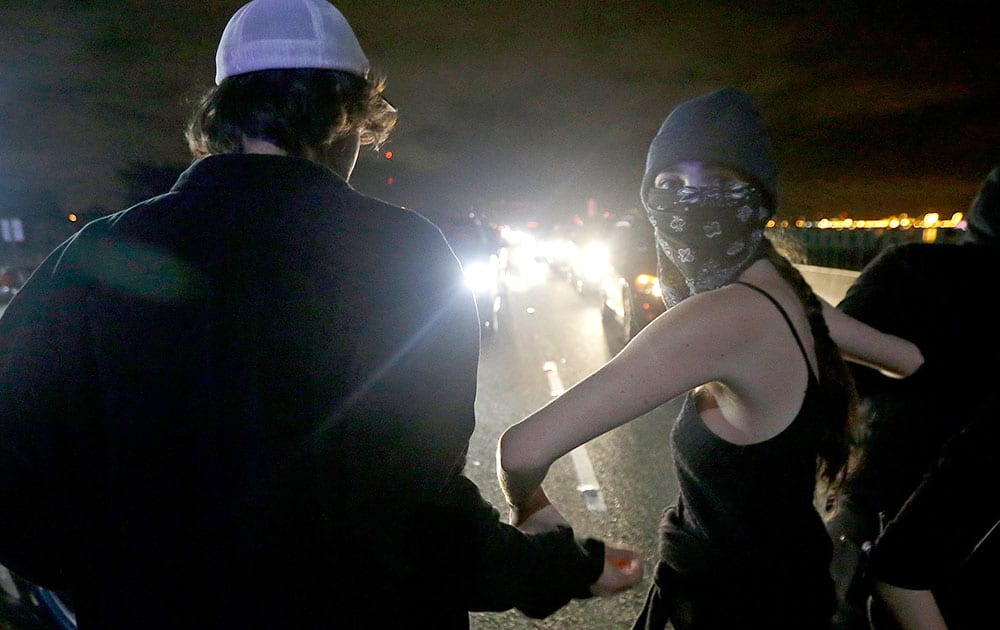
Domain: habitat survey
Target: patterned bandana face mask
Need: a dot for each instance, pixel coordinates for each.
(711, 234)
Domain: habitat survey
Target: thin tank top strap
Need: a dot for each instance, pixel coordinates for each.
(788, 321)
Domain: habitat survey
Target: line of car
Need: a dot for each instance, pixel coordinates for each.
(614, 262)
(484, 256)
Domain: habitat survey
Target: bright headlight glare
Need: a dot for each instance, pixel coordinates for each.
(557, 249)
(480, 277)
(596, 260)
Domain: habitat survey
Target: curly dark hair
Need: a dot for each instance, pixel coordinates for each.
(301, 110)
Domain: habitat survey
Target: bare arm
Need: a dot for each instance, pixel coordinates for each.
(860, 343)
(685, 347)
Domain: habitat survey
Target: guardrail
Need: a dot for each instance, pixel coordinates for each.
(829, 283)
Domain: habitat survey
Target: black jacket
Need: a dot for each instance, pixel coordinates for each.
(246, 403)
(932, 436)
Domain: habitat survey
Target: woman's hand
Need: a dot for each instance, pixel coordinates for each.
(623, 569)
(537, 501)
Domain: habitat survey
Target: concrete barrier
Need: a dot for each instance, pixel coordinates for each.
(829, 283)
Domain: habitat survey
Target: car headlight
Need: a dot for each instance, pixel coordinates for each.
(556, 250)
(481, 277)
(596, 261)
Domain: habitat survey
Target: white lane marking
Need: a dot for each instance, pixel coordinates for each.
(552, 373)
(588, 485)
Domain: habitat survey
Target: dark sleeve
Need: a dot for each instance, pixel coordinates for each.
(488, 564)
(493, 566)
(41, 367)
(871, 297)
(906, 292)
(879, 298)
(459, 548)
(417, 350)
(947, 516)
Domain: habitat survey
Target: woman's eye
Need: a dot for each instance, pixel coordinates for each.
(668, 182)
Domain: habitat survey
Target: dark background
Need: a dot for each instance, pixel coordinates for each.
(527, 109)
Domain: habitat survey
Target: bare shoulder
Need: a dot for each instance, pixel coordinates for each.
(726, 335)
(715, 321)
(743, 307)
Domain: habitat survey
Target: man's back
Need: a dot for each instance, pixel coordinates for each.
(261, 372)
(247, 402)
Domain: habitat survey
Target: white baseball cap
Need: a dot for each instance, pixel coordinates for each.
(276, 34)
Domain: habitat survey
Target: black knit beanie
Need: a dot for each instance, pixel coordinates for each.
(723, 127)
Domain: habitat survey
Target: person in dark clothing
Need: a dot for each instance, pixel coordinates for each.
(767, 399)
(929, 438)
(935, 562)
(246, 403)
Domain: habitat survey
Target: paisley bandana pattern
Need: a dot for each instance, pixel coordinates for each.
(710, 234)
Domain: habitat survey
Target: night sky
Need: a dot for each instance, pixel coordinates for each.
(875, 107)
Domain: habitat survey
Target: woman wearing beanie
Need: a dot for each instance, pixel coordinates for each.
(768, 399)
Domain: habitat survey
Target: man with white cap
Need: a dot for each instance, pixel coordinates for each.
(187, 443)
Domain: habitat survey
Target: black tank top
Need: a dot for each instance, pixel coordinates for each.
(746, 512)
